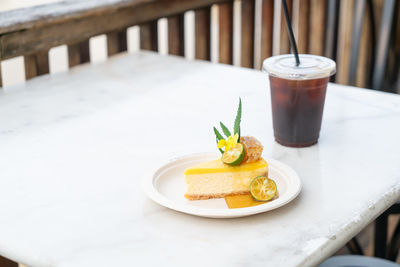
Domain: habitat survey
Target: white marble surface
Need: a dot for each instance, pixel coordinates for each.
(73, 148)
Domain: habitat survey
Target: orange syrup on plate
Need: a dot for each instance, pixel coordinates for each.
(244, 201)
(241, 201)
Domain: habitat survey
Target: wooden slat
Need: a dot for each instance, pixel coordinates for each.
(377, 7)
(383, 44)
(365, 59)
(331, 29)
(226, 33)
(58, 12)
(392, 72)
(317, 27)
(267, 24)
(303, 26)
(78, 53)
(43, 35)
(344, 41)
(7, 263)
(247, 40)
(176, 40)
(62, 11)
(284, 37)
(37, 64)
(148, 36)
(116, 42)
(1, 77)
(358, 21)
(203, 33)
(396, 74)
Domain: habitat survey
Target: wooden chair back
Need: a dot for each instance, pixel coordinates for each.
(322, 27)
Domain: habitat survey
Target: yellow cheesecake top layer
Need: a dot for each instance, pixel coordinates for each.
(217, 166)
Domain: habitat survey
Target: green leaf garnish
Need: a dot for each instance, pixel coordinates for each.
(236, 128)
(225, 130)
(219, 137)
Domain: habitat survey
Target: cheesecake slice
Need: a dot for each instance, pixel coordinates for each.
(214, 179)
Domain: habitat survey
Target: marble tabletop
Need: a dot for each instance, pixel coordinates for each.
(75, 145)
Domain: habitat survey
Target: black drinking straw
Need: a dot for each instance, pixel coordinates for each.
(290, 30)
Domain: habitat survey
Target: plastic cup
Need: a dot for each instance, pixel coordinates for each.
(298, 97)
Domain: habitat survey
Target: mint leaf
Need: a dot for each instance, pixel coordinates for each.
(238, 118)
(225, 130)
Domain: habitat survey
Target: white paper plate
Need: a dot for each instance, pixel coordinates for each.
(166, 186)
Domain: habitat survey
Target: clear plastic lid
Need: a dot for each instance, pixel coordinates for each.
(311, 67)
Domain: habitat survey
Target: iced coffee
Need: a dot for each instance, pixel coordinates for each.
(298, 97)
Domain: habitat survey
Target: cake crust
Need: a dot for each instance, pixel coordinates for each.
(210, 196)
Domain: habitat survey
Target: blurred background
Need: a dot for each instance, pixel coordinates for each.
(363, 37)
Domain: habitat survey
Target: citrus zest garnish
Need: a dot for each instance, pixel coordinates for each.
(262, 188)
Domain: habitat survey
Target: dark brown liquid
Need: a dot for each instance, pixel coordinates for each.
(297, 107)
